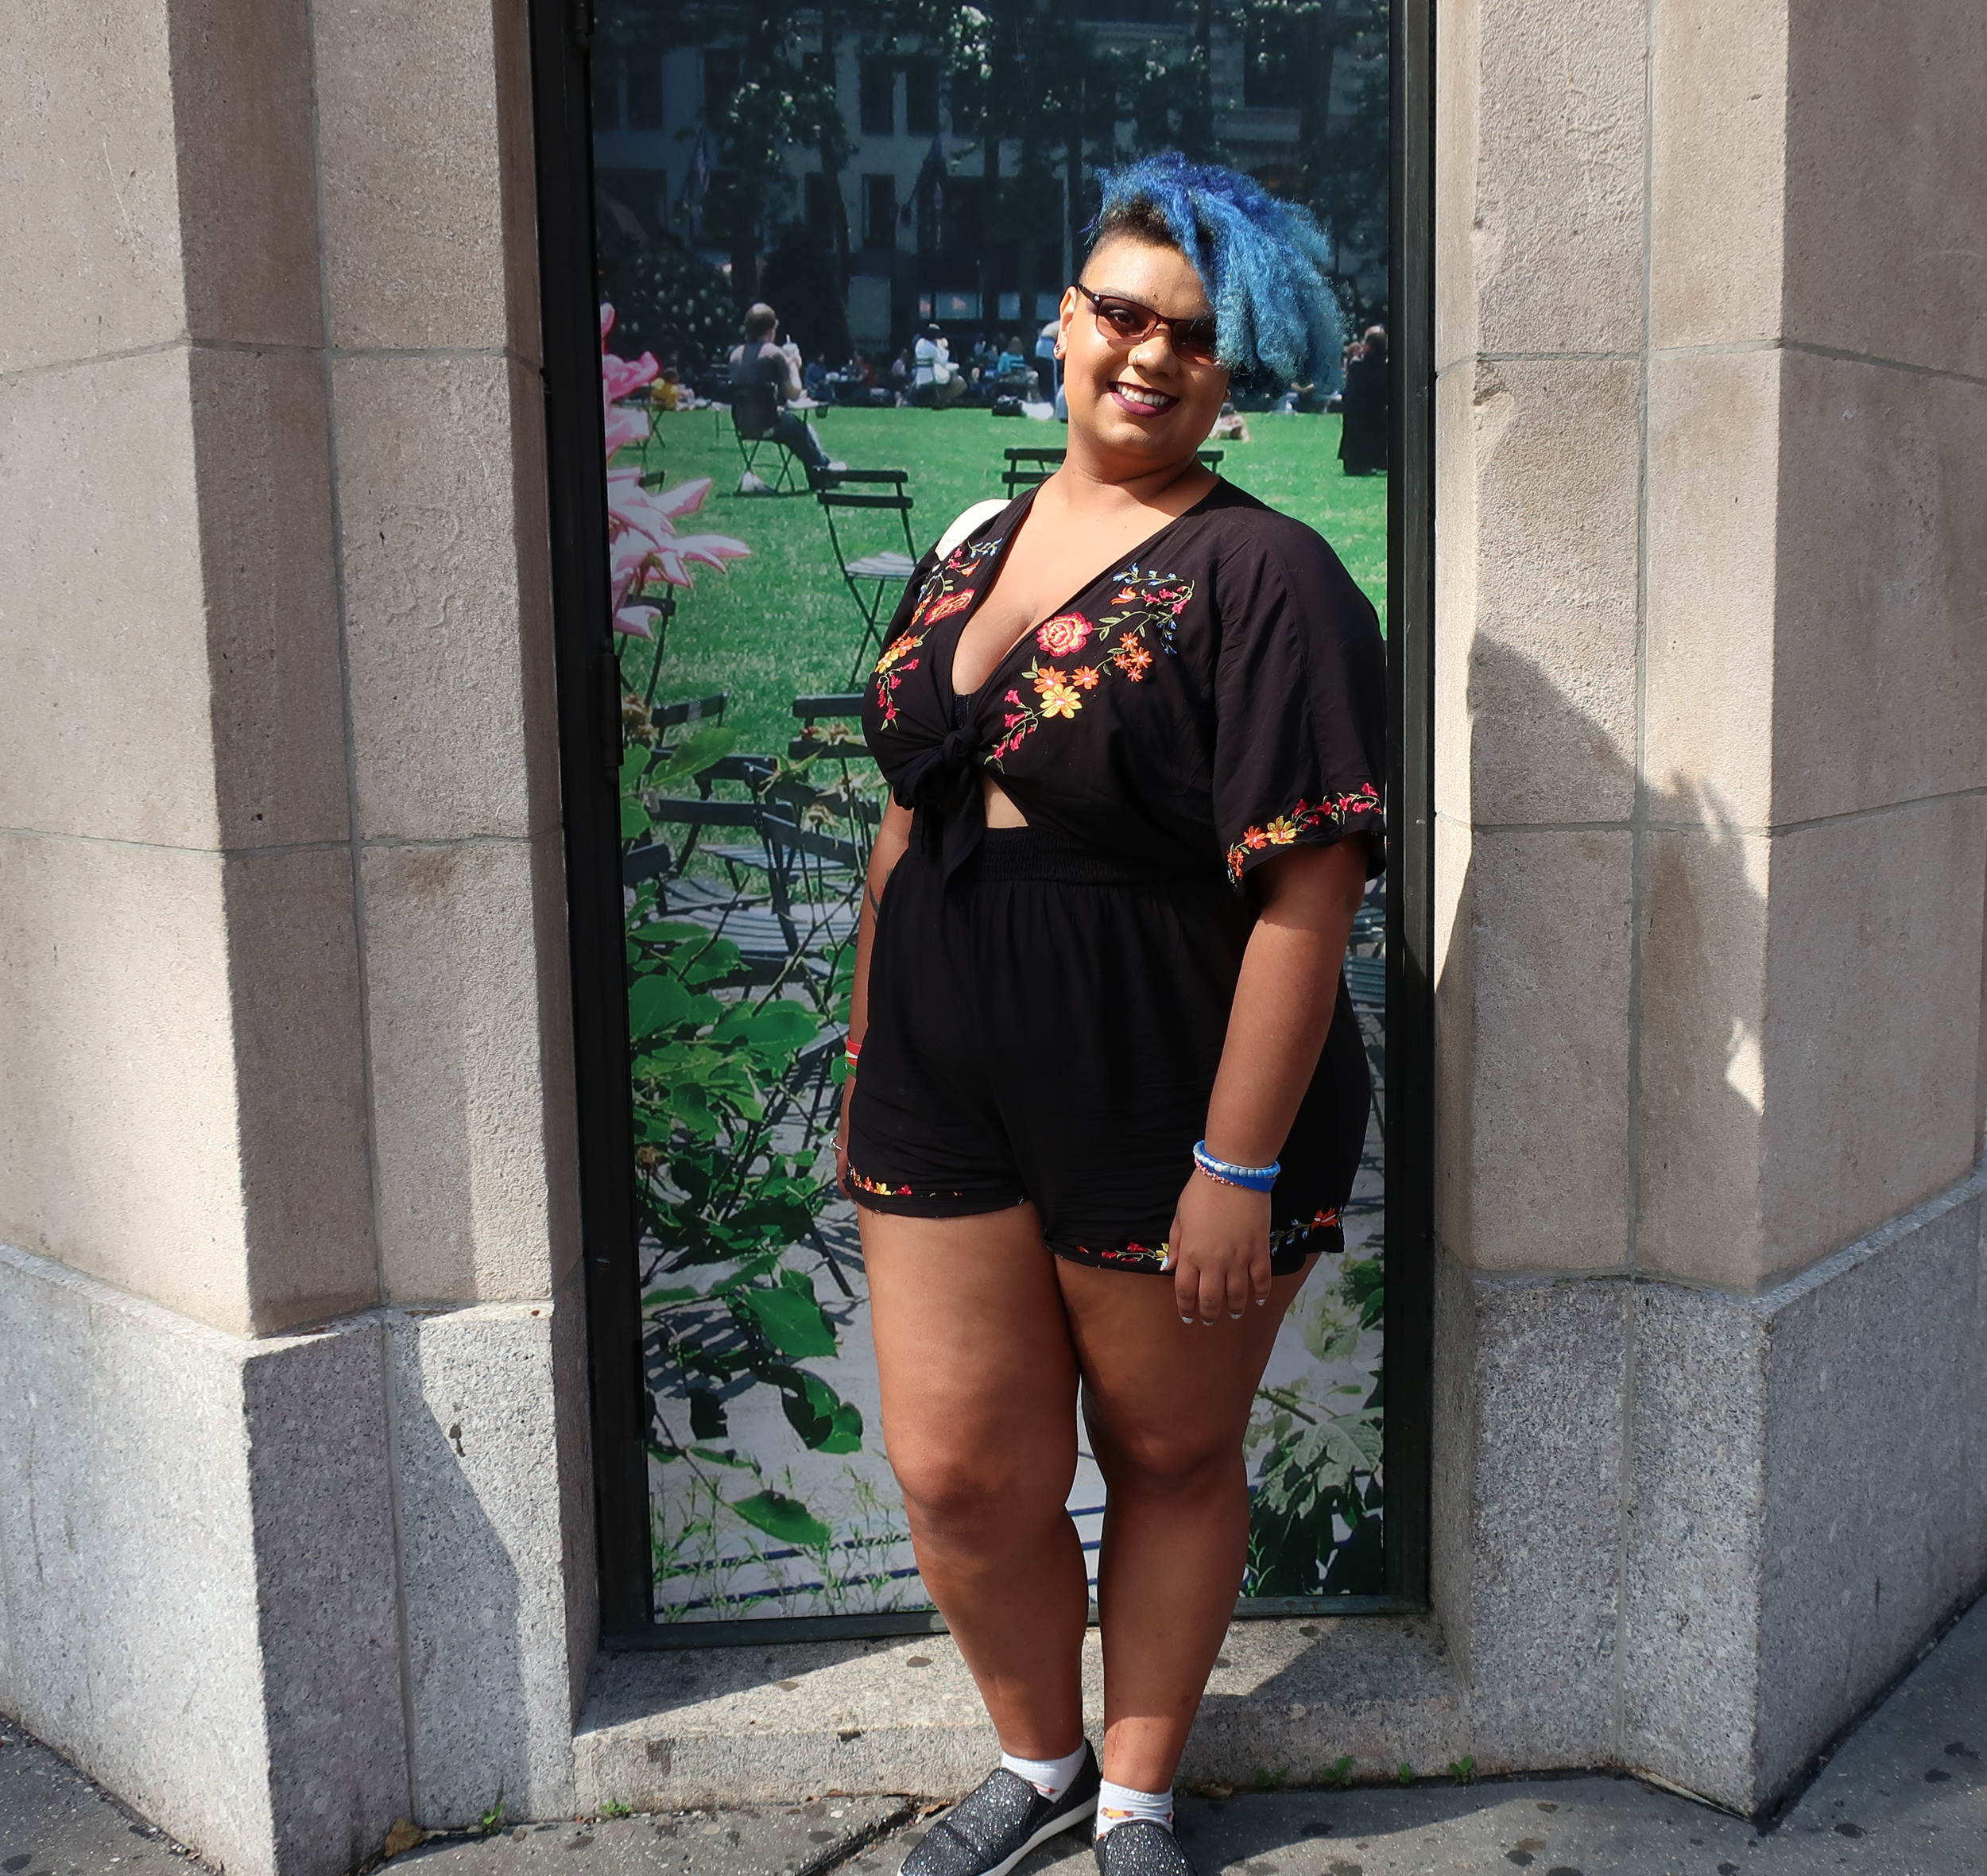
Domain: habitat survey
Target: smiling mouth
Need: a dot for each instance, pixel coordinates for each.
(1142, 398)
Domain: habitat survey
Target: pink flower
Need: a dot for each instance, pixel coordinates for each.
(1063, 635)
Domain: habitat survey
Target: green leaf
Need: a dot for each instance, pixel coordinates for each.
(711, 1456)
(634, 818)
(792, 1322)
(785, 1518)
(655, 1003)
(698, 750)
(825, 1422)
(707, 1415)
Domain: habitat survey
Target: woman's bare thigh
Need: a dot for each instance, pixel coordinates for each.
(1164, 1392)
(973, 1348)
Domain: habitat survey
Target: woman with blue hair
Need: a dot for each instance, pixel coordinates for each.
(1113, 1093)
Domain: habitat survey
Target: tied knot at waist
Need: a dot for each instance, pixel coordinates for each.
(941, 785)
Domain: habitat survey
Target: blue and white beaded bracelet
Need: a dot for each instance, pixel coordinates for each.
(1258, 1179)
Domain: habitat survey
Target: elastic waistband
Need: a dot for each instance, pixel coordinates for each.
(1009, 854)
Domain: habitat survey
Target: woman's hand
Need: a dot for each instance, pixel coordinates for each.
(841, 1138)
(1220, 1245)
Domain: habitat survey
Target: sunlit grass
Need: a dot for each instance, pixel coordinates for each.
(782, 623)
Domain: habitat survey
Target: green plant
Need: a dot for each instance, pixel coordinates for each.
(1320, 1471)
(492, 1821)
(1463, 1770)
(1406, 1774)
(1337, 1775)
(613, 1808)
(1267, 1781)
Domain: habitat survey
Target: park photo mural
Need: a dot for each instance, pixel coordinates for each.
(906, 187)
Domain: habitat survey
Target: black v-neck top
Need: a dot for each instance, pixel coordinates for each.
(1217, 695)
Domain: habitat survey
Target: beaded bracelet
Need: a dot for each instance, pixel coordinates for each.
(1258, 1179)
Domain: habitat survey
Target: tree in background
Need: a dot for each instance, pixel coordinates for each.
(669, 301)
(801, 284)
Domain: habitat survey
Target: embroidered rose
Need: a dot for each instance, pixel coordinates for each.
(1063, 635)
(952, 603)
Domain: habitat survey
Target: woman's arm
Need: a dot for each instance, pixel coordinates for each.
(1276, 1029)
(892, 839)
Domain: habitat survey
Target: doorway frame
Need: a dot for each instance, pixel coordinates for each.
(589, 719)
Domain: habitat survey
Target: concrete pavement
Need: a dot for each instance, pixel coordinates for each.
(1906, 1794)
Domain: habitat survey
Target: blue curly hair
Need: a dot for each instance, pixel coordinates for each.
(1263, 262)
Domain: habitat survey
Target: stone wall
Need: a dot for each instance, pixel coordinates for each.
(294, 1400)
(1711, 805)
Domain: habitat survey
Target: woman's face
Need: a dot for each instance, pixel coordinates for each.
(1139, 406)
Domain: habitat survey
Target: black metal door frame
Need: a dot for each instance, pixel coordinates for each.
(589, 754)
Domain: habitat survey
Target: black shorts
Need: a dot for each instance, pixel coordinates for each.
(1049, 1029)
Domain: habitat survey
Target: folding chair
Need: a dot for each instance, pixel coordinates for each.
(834, 707)
(754, 411)
(874, 580)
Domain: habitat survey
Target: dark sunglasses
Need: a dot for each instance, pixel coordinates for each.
(1124, 322)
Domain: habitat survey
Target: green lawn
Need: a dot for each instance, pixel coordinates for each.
(782, 623)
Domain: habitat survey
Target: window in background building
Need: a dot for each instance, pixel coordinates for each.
(879, 211)
(645, 93)
(921, 97)
(879, 98)
(720, 79)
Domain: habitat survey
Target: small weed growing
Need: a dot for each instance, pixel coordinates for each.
(1267, 1780)
(492, 1821)
(1463, 1770)
(1406, 1774)
(1337, 1775)
(613, 1808)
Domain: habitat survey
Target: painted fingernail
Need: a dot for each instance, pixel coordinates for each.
(1234, 1315)
(1261, 1301)
(1187, 1319)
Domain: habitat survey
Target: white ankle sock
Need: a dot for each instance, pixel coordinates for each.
(1119, 1804)
(1051, 1777)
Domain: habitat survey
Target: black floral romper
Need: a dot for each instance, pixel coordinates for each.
(1047, 1004)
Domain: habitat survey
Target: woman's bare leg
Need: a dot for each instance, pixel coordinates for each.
(1167, 1403)
(979, 1419)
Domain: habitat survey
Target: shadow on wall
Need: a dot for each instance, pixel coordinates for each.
(471, 1750)
(1541, 1036)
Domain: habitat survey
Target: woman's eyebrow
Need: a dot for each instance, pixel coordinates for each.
(1206, 312)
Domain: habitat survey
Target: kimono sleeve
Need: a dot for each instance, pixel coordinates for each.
(1300, 705)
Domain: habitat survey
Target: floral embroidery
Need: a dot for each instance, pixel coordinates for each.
(943, 608)
(1145, 605)
(1063, 635)
(883, 1191)
(1304, 819)
(1134, 661)
(947, 589)
(1152, 1257)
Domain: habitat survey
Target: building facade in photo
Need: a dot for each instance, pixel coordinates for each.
(302, 1495)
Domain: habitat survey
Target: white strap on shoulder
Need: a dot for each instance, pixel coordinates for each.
(979, 512)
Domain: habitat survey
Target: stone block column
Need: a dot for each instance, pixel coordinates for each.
(1712, 841)
(292, 1399)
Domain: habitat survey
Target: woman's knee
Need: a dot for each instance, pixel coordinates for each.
(1158, 1465)
(986, 1499)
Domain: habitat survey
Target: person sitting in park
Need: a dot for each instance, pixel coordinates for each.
(936, 380)
(762, 360)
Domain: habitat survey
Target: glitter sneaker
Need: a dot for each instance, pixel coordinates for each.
(1141, 1848)
(989, 1830)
